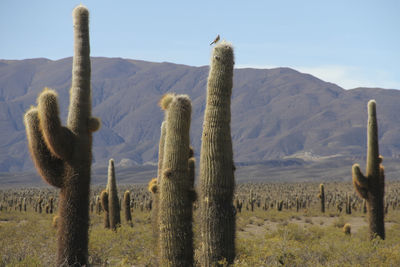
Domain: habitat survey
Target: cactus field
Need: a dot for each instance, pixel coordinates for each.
(195, 211)
(297, 235)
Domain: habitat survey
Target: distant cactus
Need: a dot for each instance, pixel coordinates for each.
(104, 205)
(175, 207)
(252, 200)
(321, 196)
(217, 181)
(348, 205)
(127, 207)
(347, 229)
(279, 205)
(51, 205)
(24, 204)
(371, 187)
(239, 205)
(113, 201)
(63, 155)
(298, 204)
(40, 201)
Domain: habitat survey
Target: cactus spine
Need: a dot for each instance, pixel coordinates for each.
(216, 162)
(321, 196)
(371, 186)
(63, 155)
(175, 207)
(113, 202)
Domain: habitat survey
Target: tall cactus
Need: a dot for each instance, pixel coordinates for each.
(175, 206)
(113, 201)
(321, 196)
(63, 155)
(217, 181)
(371, 187)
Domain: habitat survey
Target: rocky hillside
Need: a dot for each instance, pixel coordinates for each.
(276, 113)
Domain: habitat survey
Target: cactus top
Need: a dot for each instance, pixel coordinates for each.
(372, 140)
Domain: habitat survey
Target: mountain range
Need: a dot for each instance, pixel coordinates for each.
(277, 114)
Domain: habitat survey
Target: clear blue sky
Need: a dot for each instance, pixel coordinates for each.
(352, 43)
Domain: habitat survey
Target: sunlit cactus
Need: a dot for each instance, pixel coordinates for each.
(217, 181)
(63, 155)
(175, 206)
(371, 187)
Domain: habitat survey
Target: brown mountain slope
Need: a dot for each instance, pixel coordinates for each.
(275, 112)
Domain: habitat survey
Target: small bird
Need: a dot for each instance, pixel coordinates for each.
(215, 40)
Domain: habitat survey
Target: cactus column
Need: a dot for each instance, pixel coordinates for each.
(127, 207)
(372, 186)
(217, 181)
(104, 205)
(63, 155)
(175, 206)
(113, 202)
(321, 196)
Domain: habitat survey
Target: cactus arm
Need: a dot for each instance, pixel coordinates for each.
(50, 168)
(360, 182)
(80, 97)
(59, 139)
(192, 191)
(382, 179)
(358, 177)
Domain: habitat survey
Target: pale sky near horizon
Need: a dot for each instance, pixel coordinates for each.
(353, 43)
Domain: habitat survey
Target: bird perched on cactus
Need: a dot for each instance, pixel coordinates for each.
(217, 181)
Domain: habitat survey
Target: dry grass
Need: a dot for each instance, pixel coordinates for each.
(264, 238)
